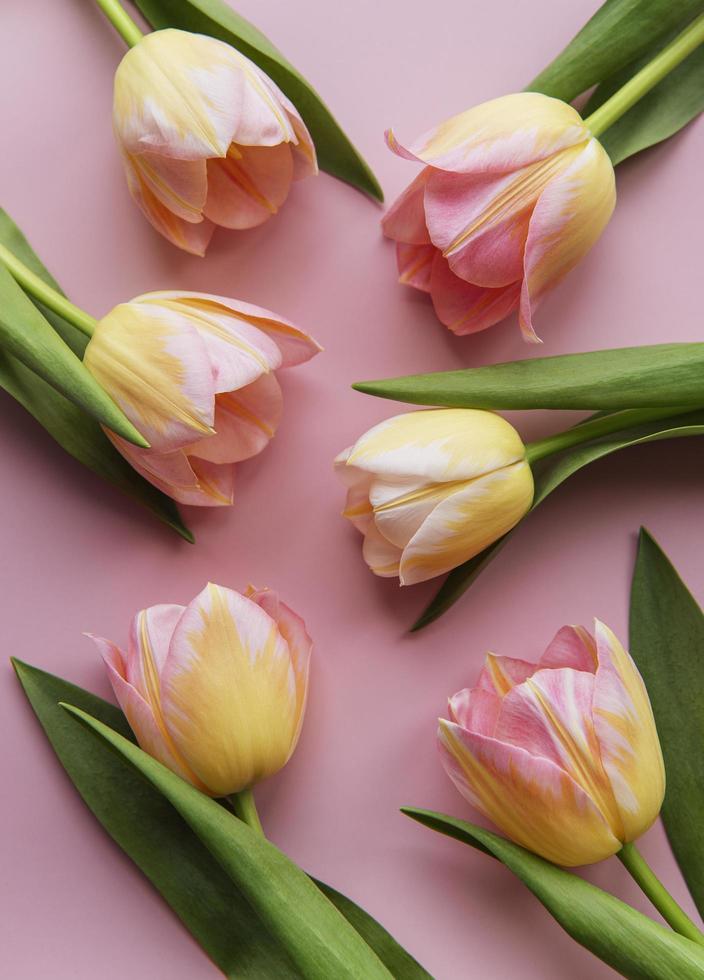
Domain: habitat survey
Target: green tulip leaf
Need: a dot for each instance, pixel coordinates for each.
(160, 842)
(548, 476)
(654, 376)
(667, 644)
(74, 430)
(336, 154)
(622, 937)
(619, 33)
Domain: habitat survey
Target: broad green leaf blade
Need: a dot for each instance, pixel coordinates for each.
(26, 335)
(618, 34)
(319, 940)
(627, 940)
(660, 114)
(336, 154)
(73, 429)
(667, 643)
(162, 845)
(629, 377)
(548, 477)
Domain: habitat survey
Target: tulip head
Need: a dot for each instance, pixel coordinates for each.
(431, 489)
(215, 690)
(562, 755)
(195, 373)
(205, 136)
(513, 194)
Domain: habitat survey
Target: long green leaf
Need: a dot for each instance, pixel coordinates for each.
(319, 940)
(628, 377)
(159, 841)
(627, 940)
(620, 32)
(548, 477)
(663, 112)
(26, 335)
(667, 643)
(74, 430)
(336, 154)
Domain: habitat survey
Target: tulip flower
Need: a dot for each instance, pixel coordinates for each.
(205, 136)
(215, 690)
(513, 194)
(195, 372)
(563, 755)
(431, 489)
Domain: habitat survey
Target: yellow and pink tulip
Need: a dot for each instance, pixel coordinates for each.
(431, 489)
(195, 374)
(513, 194)
(206, 137)
(215, 690)
(563, 755)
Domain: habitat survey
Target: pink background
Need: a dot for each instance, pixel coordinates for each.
(80, 557)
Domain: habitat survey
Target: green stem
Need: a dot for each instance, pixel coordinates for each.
(46, 294)
(640, 871)
(596, 428)
(246, 809)
(648, 77)
(121, 21)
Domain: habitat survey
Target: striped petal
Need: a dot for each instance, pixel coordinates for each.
(467, 521)
(628, 739)
(230, 697)
(465, 308)
(150, 634)
(500, 674)
(536, 803)
(415, 265)
(572, 646)
(499, 136)
(189, 96)
(550, 715)
(405, 219)
(180, 186)
(438, 445)
(152, 361)
(245, 422)
(249, 185)
(475, 709)
(571, 213)
(401, 507)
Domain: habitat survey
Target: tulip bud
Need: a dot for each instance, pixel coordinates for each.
(205, 136)
(215, 690)
(431, 489)
(195, 374)
(563, 755)
(514, 193)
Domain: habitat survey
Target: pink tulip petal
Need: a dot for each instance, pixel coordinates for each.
(245, 422)
(300, 645)
(150, 634)
(169, 472)
(405, 219)
(475, 709)
(550, 715)
(249, 185)
(190, 237)
(380, 555)
(228, 664)
(180, 186)
(141, 718)
(500, 674)
(465, 308)
(571, 213)
(628, 741)
(295, 345)
(467, 521)
(305, 163)
(480, 224)
(572, 646)
(358, 509)
(415, 265)
(155, 365)
(499, 136)
(530, 799)
(215, 484)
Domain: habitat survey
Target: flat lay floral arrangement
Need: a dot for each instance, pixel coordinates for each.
(561, 759)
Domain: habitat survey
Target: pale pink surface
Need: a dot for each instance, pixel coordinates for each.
(79, 557)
